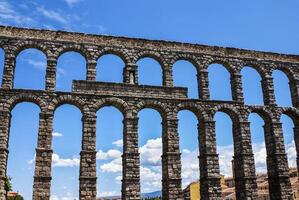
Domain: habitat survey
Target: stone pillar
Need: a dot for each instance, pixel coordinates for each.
(210, 188)
(131, 161)
(91, 70)
(296, 138)
(294, 87)
(51, 74)
(9, 69)
(130, 74)
(268, 90)
(203, 84)
(43, 159)
(244, 167)
(88, 177)
(5, 118)
(236, 87)
(171, 161)
(277, 162)
(167, 76)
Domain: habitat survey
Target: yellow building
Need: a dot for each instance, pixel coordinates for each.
(191, 192)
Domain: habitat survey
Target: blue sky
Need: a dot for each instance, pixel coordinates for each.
(268, 25)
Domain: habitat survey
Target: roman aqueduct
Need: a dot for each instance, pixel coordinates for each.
(130, 97)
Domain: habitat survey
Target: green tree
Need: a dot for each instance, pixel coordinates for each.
(18, 197)
(8, 185)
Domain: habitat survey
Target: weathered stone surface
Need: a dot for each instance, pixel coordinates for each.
(129, 97)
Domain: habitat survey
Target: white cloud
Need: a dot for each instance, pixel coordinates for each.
(54, 197)
(8, 14)
(118, 143)
(225, 159)
(150, 178)
(150, 153)
(68, 162)
(69, 196)
(53, 15)
(108, 194)
(57, 134)
(30, 162)
(110, 154)
(150, 169)
(190, 166)
(114, 166)
(72, 2)
(41, 65)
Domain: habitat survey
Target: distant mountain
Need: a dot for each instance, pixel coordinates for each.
(151, 194)
(143, 195)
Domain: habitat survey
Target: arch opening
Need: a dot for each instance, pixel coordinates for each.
(150, 149)
(189, 146)
(149, 72)
(67, 129)
(185, 75)
(257, 130)
(281, 88)
(2, 54)
(30, 69)
(109, 142)
(224, 140)
(219, 82)
(22, 143)
(252, 88)
(70, 66)
(110, 68)
(289, 140)
(257, 123)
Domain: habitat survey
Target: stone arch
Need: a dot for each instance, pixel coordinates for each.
(222, 62)
(149, 54)
(31, 45)
(188, 134)
(258, 74)
(191, 72)
(73, 116)
(30, 61)
(78, 54)
(114, 61)
(120, 104)
(262, 112)
(159, 67)
(258, 67)
(110, 128)
(230, 110)
(199, 112)
(73, 48)
(226, 138)
(119, 53)
(291, 81)
(13, 101)
(227, 80)
(292, 113)
(186, 57)
(153, 104)
(68, 99)
(26, 134)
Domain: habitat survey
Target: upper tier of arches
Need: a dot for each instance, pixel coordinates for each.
(129, 70)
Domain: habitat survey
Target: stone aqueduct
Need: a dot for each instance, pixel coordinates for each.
(129, 97)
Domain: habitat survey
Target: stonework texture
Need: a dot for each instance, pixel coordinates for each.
(130, 98)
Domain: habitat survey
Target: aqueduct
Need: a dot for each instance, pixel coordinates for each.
(130, 97)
